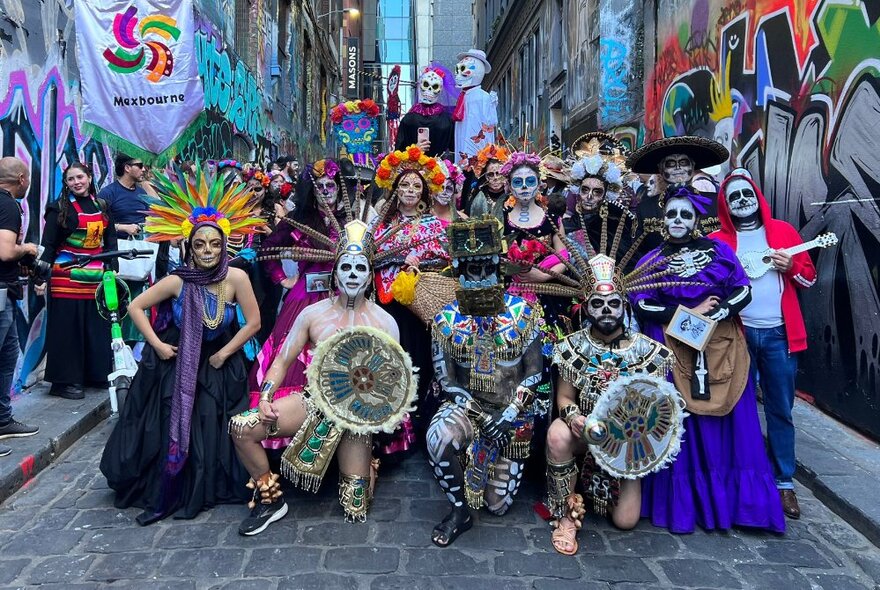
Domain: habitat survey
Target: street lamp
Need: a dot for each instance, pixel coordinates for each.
(350, 11)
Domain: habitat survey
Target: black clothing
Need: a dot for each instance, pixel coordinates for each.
(10, 219)
(441, 134)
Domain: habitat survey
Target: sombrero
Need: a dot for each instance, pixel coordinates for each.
(554, 167)
(605, 144)
(704, 152)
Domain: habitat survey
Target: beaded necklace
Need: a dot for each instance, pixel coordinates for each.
(212, 322)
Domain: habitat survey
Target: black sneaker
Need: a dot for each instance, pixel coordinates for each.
(16, 429)
(4, 450)
(262, 516)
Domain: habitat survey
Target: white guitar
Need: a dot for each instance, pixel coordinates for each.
(756, 264)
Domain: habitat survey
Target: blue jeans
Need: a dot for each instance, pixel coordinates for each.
(776, 368)
(8, 358)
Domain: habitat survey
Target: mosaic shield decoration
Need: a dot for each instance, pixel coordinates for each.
(639, 421)
(362, 381)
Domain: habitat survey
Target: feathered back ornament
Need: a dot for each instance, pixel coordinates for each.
(185, 201)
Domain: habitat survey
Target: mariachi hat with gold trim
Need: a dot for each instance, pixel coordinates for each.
(704, 152)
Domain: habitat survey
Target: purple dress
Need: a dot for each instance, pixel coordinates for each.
(722, 477)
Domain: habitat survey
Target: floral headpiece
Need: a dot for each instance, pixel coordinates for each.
(518, 159)
(455, 173)
(258, 175)
(398, 162)
(185, 202)
(353, 107)
(490, 152)
(228, 164)
(327, 168)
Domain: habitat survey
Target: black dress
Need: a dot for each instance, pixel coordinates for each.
(134, 456)
(441, 132)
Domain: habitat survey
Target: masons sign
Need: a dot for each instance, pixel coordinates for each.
(352, 60)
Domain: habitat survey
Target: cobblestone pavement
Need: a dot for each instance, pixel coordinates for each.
(63, 531)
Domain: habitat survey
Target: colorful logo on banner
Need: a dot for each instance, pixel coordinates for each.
(132, 55)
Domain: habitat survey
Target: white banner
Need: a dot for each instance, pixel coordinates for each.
(140, 79)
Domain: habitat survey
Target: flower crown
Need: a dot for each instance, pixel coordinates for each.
(601, 167)
(228, 164)
(455, 172)
(353, 107)
(490, 152)
(439, 71)
(398, 162)
(185, 202)
(258, 175)
(518, 159)
(327, 168)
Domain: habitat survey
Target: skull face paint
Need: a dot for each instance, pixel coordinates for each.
(592, 191)
(605, 312)
(741, 198)
(409, 189)
(524, 183)
(469, 72)
(680, 218)
(430, 86)
(444, 197)
(495, 181)
(327, 191)
(353, 275)
(207, 247)
(677, 168)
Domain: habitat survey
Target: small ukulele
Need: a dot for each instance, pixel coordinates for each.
(756, 264)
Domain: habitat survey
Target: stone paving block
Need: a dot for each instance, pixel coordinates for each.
(60, 569)
(404, 583)
(318, 582)
(589, 540)
(385, 509)
(135, 565)
(96, 499)
(721, 546)
(313, 510)
(119, 540)
(870, 565)
(551, 565)
(336, 534)
(191, 536)
(362, 560)
(471, 583)
(438, 561)
(203, 564)
(283, 561)
(431, 510)
(795, 553)
(55, 519)
(14, 520)
(550, 584)
(698, 572)
(643, 544)
(155, 585)
(771, 576)
(613, 568)
(491, 538)
(10, 568)
(279, 534)
(31, 542)
(247, 584)
(69, 499)
(521, 512)
(105, 518)
(406, 488)
(406, 534)
(227, 513)
(835, 582)
(843, 537)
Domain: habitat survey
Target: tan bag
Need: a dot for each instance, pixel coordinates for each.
(433, 292)
(727, 360)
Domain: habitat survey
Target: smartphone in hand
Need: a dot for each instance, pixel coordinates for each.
(424, 134)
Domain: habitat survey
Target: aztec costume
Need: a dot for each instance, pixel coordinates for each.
(722, 477)
(437, 94)
(169, 452)
(356, 125)
(488, 359)
(774, 326)
(77, 338)
(360, 382)
(676, 160)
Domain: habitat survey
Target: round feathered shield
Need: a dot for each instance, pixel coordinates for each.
(362, 381)
(636, 426)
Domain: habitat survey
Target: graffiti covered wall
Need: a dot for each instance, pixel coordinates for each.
(792, 87)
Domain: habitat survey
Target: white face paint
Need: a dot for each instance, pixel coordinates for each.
(741, 198)
(430, 85)
(352, 274)
(469, 72)
(327, 190)
(409, 190)
(444, 197)
(605, 312)
(207, 246)
(677, 168)
(680, 218)
(524, 183)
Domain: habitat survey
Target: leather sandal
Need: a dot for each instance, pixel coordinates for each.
(565, 535)
(450, 529)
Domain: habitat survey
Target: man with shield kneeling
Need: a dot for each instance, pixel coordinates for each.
(360, 381)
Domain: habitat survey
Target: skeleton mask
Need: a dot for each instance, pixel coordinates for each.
(495, 181)
(469, 72)
(353, 274)
(430, 86)
(680, 218)
(592, 191)
(741, 198)
(677, 168)
(605, 312)
(207, 247)
(524, 183)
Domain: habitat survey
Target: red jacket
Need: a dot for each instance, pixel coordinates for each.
(779, 235)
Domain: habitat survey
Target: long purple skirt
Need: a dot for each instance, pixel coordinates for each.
(722, 476)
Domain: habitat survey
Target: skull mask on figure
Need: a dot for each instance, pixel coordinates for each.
(605, 312)
(352, 275)
(680, 218)
(430, 86)
(742, 201)
(469, 72)
(677, 168)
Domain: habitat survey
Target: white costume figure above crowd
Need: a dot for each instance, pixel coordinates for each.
(475, 113)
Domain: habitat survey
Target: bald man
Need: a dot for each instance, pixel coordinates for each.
(14, 183)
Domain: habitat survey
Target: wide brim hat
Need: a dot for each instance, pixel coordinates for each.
(476, 54)
(704, 152)
(607, 144)
(554, 167)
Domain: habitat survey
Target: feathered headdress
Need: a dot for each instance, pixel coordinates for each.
(398, 162)
(185, 201)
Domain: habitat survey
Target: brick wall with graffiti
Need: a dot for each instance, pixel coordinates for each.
(792, 87)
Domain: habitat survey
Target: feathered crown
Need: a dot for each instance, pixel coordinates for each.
(185, 201)
(398, 162)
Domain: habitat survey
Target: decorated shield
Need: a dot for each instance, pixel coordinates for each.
(362, 381)
(636, 426)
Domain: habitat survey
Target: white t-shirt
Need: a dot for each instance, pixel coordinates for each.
(765, 309)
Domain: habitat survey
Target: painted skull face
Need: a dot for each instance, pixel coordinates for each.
(605, 312)
(591, 194)
(494, 179)
(741, 198)
(444, 197)
(430, 85)
(653, 186)
(409, 189)
(677, 168)
(357, 132)
(479, 272)
(524, 183)
(680, 218)
(327, 191)
(353, 274)
(469, 72)
(207, 247)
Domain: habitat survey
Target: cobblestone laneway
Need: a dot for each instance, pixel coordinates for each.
(62, 531)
